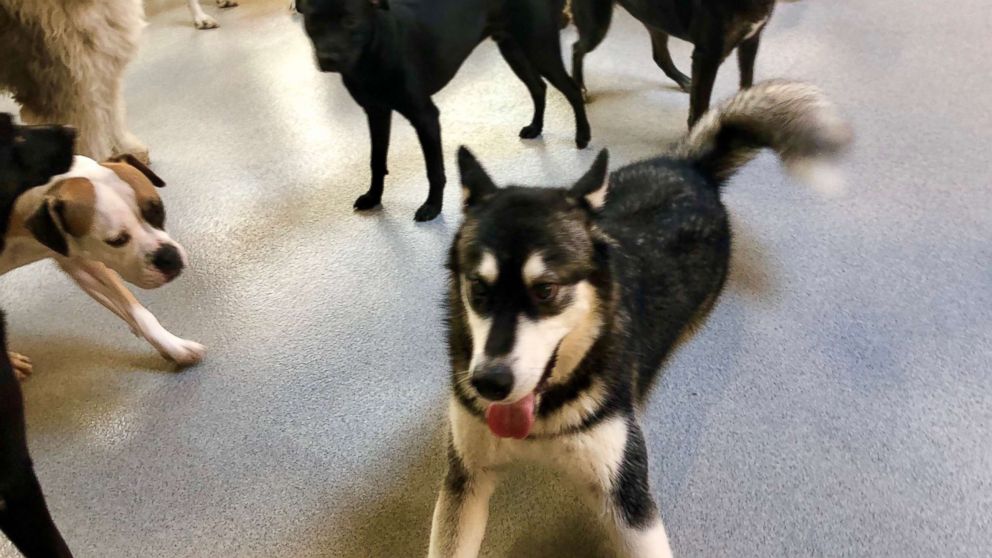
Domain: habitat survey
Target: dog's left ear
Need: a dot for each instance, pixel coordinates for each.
(594, 185)
(42, 226)
(476, 184)
(134, 162)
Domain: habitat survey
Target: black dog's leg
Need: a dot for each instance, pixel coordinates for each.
(548, 62)
(592, 20)
(747, 51)
(659, 48)
(380, 120)
(25, 519)
(425, 120)
(535, 85)
(705, 63)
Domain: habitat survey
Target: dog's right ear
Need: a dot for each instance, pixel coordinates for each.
(595, 184)
(476, 184)
(44, 229)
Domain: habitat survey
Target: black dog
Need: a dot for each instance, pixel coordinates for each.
(29, 156)
(714, 27)
(394, 57)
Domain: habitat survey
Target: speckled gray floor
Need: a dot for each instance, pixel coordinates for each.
(837, 403)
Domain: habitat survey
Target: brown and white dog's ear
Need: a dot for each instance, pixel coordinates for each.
(149, 203)
(594, 185)
(43, 228)
(134, 162)
(68, 208)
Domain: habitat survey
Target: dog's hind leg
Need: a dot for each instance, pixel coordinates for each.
(551, 67)
(124, 142)
(24, 516)
(380, 123)
(107, 288)
(592, 21)
(705, 64)
(663, 58)
(518, 62)
(612, 458)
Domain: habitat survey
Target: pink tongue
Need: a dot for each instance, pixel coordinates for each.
(512, 421)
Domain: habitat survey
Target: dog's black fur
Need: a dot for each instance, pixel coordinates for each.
(714, 27)
(395, 56)
(29, 157)
(656, 254)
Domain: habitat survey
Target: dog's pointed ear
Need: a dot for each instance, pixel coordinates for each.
(134, 162)
(476, 184)
(594, 185)
(44, 228)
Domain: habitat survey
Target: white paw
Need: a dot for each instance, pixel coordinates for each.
(292, 7)
(184, 353)
(205, 22)
(226, 3)
(21, 364)
(131, 145)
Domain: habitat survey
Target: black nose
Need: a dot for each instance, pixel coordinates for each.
(494, 382)
(168, 260)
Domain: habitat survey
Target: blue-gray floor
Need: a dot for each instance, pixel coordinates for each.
(837, 403)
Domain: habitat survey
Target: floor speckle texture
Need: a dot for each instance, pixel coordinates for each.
(837, 403)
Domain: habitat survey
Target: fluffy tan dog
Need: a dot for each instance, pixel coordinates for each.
(64, 62)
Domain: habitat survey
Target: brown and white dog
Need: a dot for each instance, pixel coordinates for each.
(101, 222)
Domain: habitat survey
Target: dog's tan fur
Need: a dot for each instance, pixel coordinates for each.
(64, 62)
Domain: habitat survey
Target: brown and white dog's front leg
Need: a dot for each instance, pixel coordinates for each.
(107, 288)
(612, 459)
(462, 508)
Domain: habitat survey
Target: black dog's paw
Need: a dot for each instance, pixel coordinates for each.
(530, 132)
(367, 201)
(685, 84)
(427, 212)
(582, 139)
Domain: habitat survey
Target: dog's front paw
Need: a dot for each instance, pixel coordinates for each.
(21, 364)
(368, 201)
(685, 83)
(582, 138)
(226, 3)
(530, 131)
(205, 22)
(183, 352)
(427, 212)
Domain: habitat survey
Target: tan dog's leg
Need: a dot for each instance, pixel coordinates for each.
(21, 365)
(124, 141)
(200, 19)
(107, 288)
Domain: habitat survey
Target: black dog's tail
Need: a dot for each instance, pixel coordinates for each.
(795, 119)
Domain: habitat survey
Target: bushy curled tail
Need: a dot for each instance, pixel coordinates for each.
(794, 119)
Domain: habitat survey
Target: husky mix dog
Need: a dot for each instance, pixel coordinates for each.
(564, 302)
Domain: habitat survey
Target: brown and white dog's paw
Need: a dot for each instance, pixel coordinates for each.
(205, 22)
(21, 364)
(183, 352)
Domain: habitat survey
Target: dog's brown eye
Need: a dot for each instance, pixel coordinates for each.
(544, 292)
(119, 240)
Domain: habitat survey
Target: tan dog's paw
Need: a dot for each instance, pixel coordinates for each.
(205, 22)
(226, 3)
(184, 353)
(21, 364)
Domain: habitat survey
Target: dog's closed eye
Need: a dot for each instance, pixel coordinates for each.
(119, 240)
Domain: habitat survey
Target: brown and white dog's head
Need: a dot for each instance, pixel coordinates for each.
(111, 213)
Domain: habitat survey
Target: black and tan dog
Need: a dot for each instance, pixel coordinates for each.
(29, 156)
(714, 27)
(394, 55)
(564, 302)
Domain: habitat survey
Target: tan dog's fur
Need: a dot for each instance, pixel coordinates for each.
(64, 62)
